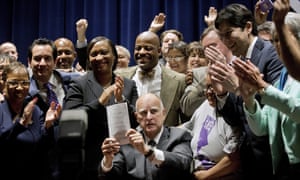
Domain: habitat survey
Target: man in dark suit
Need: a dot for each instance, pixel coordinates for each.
(239, 33)
(42, 59)
(165, 83)
(154, 151)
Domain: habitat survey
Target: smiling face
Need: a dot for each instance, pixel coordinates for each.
(65, 53)
(196, 57)
(16, 83)
(235, 38)
(176, 60)
(147, 50)
(101, 57)
(42, 62)
(9, 49)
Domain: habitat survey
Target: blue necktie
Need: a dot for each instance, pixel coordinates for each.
(51, 96)
(283, 78)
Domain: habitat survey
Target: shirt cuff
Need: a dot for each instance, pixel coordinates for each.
(105, 169)
(81, 44)
(159, 157)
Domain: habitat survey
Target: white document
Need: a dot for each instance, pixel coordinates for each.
(118, 121)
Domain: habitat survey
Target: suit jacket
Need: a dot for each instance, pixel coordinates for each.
(255, 154)
(175, 144)
(194, 94)
(65, 79)
(172, 88)
(23, 149)
(84, 93)
(265, 57)
(281, 113)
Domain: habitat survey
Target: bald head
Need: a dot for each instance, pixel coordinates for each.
(149, 98)
(66, 53)
(64, 42)
(148, 36)
(150, 114)
(9, 49)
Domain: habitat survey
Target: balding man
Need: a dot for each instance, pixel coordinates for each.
(10, 49)
(151, 77)
(66, 54)
(154, 151)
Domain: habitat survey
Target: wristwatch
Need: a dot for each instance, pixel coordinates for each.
(150, 152)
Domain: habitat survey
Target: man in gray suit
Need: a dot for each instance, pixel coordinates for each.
(151, 77)
(154, 151)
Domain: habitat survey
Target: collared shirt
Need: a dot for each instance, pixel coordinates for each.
(149, 85)
(250, 49)
(57, 87)
(159, 156)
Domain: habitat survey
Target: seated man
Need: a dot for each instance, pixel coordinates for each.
(170, 158)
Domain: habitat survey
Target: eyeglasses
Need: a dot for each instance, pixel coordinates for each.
(177, 59)
(208, 88)
(15, 83)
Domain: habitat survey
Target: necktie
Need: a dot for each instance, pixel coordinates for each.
(283, 78)
(51, 96)
(146, 74)
(152, 143)
(148, 165)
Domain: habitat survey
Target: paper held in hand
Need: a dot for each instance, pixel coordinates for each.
(118, 121)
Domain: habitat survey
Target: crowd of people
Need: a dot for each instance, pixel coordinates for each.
(225, 106)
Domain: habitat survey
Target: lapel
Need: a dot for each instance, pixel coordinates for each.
(169, 86)
(6, 120)
(258, 46)
(164, 139)
(127, 72)
(94, 86)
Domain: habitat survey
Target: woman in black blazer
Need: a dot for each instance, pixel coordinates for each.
(94, 91)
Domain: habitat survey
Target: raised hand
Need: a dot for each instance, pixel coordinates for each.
(259, 15)
(281, 8)
(157, 23)
(119, 86)
(26, 118)
(136, 140)
(213, 54)
(189, 77)
(212, 16)
(224, 74)
(81, 27)
(109, 147)
(52, 115)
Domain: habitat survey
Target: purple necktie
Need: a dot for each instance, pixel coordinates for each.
(51, 96)
(208, 124)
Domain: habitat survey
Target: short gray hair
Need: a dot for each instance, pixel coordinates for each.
(293, 21)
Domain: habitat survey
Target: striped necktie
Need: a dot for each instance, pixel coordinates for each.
(51, 96)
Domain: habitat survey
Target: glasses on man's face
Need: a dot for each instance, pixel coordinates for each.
(208, 89)
(15, 83)
(177, 59)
